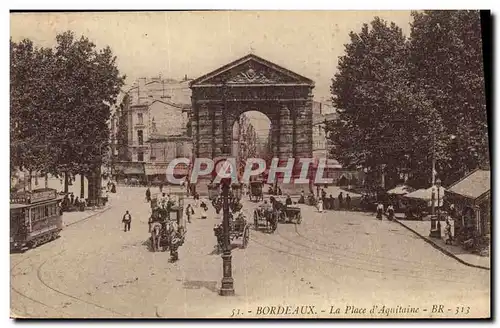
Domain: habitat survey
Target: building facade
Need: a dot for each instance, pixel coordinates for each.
(151, 111)
(164, 149)
(471, 197)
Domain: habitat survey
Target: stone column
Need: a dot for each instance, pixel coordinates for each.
(285, 150)
(205, 132)
(218, 130)
(303, 129)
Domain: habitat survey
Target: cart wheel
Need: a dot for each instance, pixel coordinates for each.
(246, 236)
(274, 226)
(34, 243)
(299, 218)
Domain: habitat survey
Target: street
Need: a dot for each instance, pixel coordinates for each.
(334, 259)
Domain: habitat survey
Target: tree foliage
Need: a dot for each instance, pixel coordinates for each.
(399, 100)
(60, 101)
(447, 65)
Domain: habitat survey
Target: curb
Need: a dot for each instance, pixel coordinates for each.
(90, 216)
(441, 249)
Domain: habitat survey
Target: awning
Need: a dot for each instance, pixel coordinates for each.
(156, 168)
(130, 168)
(426, 195)
(400, 190)
(180, 169)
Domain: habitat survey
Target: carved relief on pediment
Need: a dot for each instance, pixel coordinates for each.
(253, 76)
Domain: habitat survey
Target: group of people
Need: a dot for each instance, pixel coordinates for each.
(327, 203)
(72, 203)
(390, 211)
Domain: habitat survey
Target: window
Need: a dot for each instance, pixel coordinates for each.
(179, 150)
(140, 156)
(140, 137)
(140, 119)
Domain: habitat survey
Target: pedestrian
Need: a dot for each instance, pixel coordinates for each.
(348, 201)
(452, 211)
(332, 202)
(189, 212)
(323, 194)
(161, 187)
(127, 220)
(72, 199)
(320, 205)
(380, 210)
(390, 212)
(341, 201)
(288, 201)
(196, 199)
(163, 201)
(148, 195)
(448, 237)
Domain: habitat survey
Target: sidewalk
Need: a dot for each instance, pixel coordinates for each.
(422, 228)
(70, 218)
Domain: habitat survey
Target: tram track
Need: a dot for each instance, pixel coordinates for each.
(38, 268)
(363, 257)
(415, 265)
(17, 291)
(302, 247)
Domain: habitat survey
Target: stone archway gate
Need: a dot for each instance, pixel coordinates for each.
(252, 83)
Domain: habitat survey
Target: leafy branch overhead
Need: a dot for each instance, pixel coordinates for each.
(397, 97)
(60, 102)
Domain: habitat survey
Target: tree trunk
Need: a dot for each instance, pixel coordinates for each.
(29, 181)
(66, 182)
(82, 186)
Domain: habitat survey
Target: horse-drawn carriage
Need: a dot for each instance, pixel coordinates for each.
(238, 228)
(286, 214)
(292, 214)
(264, 216)
(256, 194)
(167, 225)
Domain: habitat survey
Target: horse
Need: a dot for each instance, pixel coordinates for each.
(278, 209)
(156, 236)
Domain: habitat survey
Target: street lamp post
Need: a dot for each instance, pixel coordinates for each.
(435, 224)
(227, 284)
(438, 184)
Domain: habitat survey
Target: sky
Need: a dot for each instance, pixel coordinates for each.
(174, 44)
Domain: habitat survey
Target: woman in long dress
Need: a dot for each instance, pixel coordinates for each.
(320, 205)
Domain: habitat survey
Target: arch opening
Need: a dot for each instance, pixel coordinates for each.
(251, 138)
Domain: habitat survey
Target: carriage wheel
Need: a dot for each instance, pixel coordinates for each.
(246, 236)
(274, 225)
(34, 243)
(299, 218)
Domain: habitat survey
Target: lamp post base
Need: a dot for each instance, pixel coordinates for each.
(227, 284)
(435, 233)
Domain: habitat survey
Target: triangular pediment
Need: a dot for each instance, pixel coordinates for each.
(251, 70)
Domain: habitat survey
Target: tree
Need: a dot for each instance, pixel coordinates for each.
(447, 66)
(370, 93)
(30, 89)
(60, 105)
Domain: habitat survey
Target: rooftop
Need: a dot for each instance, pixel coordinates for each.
(473, 185)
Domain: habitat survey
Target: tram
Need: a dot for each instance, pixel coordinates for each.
(35, 218)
